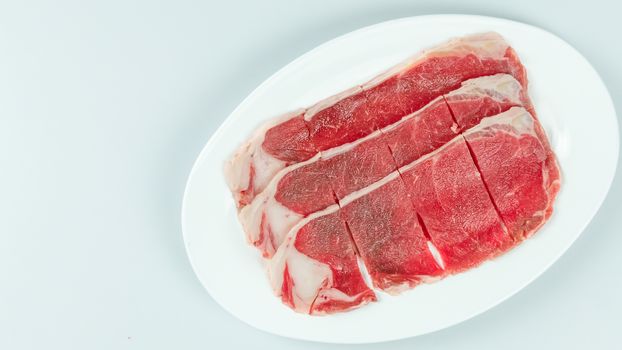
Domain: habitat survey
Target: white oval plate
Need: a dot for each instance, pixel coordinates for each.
(571, 101)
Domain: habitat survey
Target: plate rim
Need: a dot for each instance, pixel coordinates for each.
(224, 125)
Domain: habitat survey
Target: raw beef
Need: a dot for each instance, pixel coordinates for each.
(317, 183)
(360, 111)
(417, 175)
(389, 238)
(431, 218)
(518, 167)
(316, 270)
(437, 205)
(448, 194)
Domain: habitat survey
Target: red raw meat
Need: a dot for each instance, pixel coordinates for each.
(415, 137)
(430, 169)
(290, 140)
(355, 113)
(389, 238)
(518, 167)
(315, 184)
(384, 103)
(319, 184)
(447, 192)
(446, 223)
(316, 270)
(321, 181)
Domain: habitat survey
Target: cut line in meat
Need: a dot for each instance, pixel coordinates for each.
(475, 162)
(521, 174)
(423, 228)
(350, 115)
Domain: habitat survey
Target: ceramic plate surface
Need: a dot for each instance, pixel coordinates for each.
(573, 106)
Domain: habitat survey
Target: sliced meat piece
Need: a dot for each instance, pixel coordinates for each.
(406, 88)
(350, 115)
(388, 236)
(316, 270)
(321, 181)
(520, 170)
(447, 192)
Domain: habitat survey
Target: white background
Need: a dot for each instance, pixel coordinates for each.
(103, 109)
